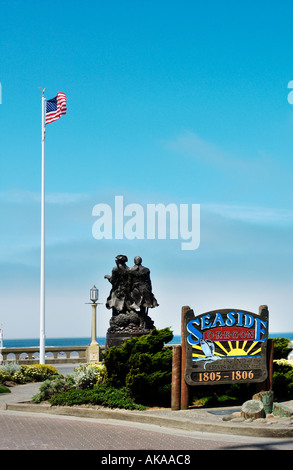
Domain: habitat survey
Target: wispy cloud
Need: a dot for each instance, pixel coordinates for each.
(25, 197)
(66, 198)
(255, 214)
(192, 145)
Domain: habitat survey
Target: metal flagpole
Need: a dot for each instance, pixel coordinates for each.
(42, 275)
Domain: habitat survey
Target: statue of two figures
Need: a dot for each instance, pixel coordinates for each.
(130, 298)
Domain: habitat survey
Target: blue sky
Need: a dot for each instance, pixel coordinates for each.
(168, 102)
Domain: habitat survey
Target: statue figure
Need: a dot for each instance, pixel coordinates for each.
(141, 287)
(120, 286)
(130, 298)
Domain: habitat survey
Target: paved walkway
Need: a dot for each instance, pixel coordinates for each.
(219, 420)
(38, 428)
(22, 431)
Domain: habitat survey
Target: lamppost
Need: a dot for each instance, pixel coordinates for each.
(93, 349)
(94, 297)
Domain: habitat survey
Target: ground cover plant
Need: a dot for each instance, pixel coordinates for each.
(85, 377)
(100, 394)
(88, 375)
(11, 371)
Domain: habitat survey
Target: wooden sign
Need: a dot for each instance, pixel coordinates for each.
(225, 346)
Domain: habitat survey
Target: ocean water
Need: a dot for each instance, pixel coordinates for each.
(84, 341)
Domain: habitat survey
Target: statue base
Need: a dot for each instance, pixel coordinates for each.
(117, 339)
(127, 325)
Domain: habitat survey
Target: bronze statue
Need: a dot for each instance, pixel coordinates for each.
(130, 298)
(120, 286)
(141, 286)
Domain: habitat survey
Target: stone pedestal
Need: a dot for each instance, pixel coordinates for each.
(93, 353)
(117, 339)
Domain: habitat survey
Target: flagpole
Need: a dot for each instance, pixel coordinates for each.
(42, 274)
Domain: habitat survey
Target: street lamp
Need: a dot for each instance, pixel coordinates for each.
(94, 296)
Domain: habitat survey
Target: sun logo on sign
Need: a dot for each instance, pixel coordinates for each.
(214, 350)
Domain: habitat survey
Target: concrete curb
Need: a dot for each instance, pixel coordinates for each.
(194, 424)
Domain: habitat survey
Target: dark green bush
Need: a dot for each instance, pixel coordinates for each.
(144, 366)
(103, 395)
(282, 379)
(281, 348)
(4, 389)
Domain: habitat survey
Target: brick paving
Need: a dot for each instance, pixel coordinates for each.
(25, 432)
(34, 432)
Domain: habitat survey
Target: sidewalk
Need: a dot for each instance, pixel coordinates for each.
(217, 420)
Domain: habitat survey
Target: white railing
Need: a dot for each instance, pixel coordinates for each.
(53, 354)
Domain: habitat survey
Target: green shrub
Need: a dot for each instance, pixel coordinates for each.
(87, 375)
(281, 348)
(103, 395)
(40, 372)
(50, 387)
(4, 389)
(144, 366)
(282, 379)
(20, 374)
(4, 376)
(10, 367)
(19, 377)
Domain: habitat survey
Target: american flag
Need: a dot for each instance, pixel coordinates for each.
(55, 107)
